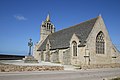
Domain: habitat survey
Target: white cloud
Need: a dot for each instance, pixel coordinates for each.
(20, 17)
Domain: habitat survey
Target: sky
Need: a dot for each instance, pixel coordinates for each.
(21, 19)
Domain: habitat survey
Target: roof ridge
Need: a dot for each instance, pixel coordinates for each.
(75, 25)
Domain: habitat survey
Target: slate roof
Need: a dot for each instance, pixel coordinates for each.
(61, 39)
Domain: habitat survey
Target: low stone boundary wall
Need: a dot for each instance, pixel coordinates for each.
(13, 68)
(94, 66)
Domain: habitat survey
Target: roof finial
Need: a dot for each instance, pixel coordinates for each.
(48, 18)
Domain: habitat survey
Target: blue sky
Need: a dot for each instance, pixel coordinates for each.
(21, 19)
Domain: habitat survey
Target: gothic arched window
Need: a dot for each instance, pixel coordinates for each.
(74, 46)
(100, 43)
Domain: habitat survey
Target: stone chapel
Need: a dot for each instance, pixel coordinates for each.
(87, 43)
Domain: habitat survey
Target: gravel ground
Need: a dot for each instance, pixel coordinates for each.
(91, 74)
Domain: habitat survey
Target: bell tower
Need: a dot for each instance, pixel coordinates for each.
(46, 28)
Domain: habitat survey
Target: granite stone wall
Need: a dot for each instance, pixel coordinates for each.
(66, 57)
(54, 57)
(19, 68)
(91, 44)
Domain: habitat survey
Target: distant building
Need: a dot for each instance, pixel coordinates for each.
(87, 43)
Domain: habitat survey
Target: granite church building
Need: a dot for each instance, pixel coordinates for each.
(87, 43)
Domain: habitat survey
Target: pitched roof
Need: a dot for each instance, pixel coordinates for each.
(61, 39)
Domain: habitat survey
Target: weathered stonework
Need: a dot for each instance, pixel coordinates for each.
(47, 57)
(55, 56)
(66, 57)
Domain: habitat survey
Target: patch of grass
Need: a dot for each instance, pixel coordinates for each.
(78, 66)
(57, 62)
(115, 79)
(1, 63)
